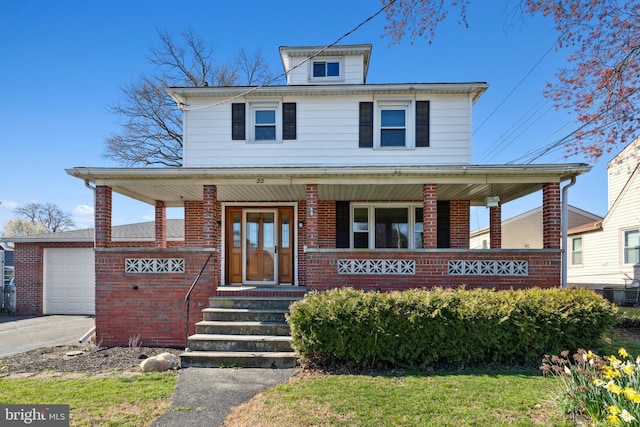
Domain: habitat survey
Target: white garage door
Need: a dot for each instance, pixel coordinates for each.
(69, 281)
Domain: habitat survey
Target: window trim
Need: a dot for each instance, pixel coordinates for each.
(326, 59)
(408, 105)
(572, 251)
(264, 105)
(371, 207)
(624, 247)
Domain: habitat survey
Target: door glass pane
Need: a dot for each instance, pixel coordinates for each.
(267, 231)
(392, 228)
(417, 229)
(236, 231)
(253, 230)
(361, 228)
(284, 227)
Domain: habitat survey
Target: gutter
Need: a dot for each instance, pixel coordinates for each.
(565, 225)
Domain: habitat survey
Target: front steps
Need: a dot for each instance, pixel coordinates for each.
(243, 331)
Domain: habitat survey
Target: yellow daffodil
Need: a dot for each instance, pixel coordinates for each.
(614, 410)
(613, 419)
(623, 353)
(613, 388)
(628, 368)
(626, 416)
(629, 392)
(590, 354)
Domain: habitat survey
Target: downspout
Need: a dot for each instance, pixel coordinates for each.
(565, 227)
(88, 185)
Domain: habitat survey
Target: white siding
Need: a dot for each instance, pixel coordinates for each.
(327, 135)
(602, 250)
(353, 71)
(620, 169)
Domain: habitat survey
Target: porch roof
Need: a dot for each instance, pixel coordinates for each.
(367, 183)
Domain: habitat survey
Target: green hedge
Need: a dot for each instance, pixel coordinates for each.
(449, 327)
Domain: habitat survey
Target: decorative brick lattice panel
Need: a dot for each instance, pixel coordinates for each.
(376, 266)
(488, 268)
(154, 265)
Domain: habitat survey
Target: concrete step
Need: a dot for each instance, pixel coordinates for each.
(242, 328)
(234, 359)
(245, 314)
(252, 302)
(250, 343)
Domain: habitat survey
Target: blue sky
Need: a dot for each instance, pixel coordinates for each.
(63, 63)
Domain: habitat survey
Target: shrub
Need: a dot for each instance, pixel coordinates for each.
(454, 327)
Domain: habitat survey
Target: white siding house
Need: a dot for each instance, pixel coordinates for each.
(524, 231)
(607, 252)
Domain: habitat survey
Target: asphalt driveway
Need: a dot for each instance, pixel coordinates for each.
(24, 333)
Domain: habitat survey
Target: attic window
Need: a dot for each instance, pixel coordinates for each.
(330, 69)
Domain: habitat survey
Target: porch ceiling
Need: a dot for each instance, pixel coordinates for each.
(474, 183)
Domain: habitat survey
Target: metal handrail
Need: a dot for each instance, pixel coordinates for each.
(187, 299)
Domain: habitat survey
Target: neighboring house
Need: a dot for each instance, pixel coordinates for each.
(607, 252)
(525, 230)
(324, 182)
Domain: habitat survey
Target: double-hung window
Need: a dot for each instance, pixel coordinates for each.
(265, 124)
(576, 251)
(395, 127)
(263, 121)
(631, 246)
(386, 226)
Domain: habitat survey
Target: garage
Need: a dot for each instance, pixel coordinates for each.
(69, 281)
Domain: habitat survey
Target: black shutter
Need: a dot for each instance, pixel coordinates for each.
(342, 224)
(422, 123)
(443, 224)
(366, 125)
(238, 121)
(288, 120)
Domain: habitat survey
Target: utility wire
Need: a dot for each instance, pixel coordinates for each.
(284, 74)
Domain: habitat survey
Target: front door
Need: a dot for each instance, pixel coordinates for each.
(260, 249)
(259, 246)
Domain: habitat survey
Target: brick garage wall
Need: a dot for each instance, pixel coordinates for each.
(29, 273)
(150, 305)
(432, 270)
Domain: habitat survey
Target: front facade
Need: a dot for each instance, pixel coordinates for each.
(607, 252)
(324, 182)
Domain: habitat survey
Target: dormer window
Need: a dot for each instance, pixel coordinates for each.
(326, 69)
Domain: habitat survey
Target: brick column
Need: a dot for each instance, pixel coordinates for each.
(430, 216)
(161, 226)
(495, 227)
(551, 213)
(460, 210)
(193, 223)
(311, 225)
(210, 220)
(103, 212)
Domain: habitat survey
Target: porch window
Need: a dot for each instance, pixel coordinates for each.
(386, 226)
(631, 246)
(576, 251)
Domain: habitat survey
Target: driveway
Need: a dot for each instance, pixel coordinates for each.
(24, 333)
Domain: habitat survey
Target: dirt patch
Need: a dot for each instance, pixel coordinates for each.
(79, 360)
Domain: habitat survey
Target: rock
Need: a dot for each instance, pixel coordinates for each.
(159, 363)
(74, 353)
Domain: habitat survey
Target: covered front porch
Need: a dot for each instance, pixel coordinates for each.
(276, 229)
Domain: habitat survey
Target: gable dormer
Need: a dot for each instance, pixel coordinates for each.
(318, 65)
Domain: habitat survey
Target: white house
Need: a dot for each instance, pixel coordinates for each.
(324, 182)
(607, 252)
(525, 230)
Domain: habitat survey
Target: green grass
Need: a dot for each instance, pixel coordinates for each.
(478, 398)
(108, 401)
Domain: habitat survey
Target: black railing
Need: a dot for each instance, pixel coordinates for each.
(187, 299)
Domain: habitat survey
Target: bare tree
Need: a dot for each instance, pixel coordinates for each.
(152, 130)
(47, 217)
